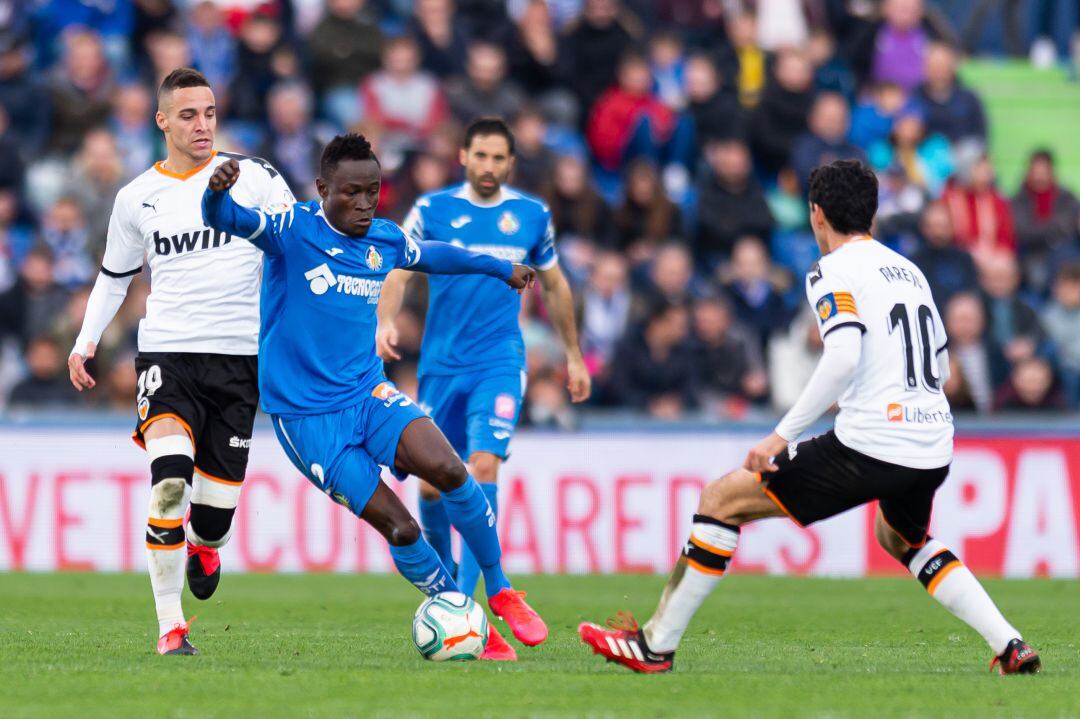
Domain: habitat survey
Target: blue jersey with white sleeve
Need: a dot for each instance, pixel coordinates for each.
(472, 322)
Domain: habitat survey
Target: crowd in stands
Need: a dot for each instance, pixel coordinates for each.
(671, 139)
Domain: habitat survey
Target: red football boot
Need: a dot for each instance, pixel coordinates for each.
(625, 644)
(175, 641)
(1018, 658)
(203, 570)
(509, 605)
(497, 649)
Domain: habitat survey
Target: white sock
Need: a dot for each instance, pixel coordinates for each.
(956, 588)
(166, 551)
(696, 574)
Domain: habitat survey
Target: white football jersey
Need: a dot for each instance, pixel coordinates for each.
(895, 409)
(204, 293)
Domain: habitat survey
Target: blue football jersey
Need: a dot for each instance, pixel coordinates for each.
(472, 321)
(319, 294)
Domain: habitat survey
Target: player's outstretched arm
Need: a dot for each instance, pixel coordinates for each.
(221, 211)
(441, 258)
(390, 300)
(834, 372)
(104, 302)
(559, 301)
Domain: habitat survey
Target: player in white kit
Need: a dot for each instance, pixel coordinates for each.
(885, 361)
(198, 344)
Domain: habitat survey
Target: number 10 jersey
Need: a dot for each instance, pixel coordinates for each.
(895, 409)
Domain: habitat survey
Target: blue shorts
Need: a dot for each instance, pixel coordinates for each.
(340, 452)
(477, 411)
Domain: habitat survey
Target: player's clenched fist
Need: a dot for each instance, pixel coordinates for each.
(225, 176)
(522, 278)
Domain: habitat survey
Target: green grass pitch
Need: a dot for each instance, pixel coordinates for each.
(81, 646)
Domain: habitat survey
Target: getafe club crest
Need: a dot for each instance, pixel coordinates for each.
(509, 223)
(373, 259)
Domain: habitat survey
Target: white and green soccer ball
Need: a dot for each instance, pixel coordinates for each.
(450, 627)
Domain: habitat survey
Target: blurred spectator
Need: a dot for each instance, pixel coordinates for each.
(628, 121)
(670, 280)
(16, 237)
(344, 47)
(546, 403)
(31, 305)
(731, 203)
(792, 244)
(120, 384)
(831, 71)
(667, 63)
(81, 89)
(212, 46)
(730, 367)
(1030, 387)
(132, 125)
(948, 269)
(751, 62)
(951, 109)
(924, 161)
(826, 138)
(440, 36)
(424, 173)
(605, 309)
(47, 384)
(982, 217)
(603, 32)
(716, 112)
(873, 117)
(65, 232)
(11, 164)
(577, 209)
(97, 174)
(653, 369)
(979, 364)
(1011, 322)
(793, 356)
(263, 58)
(781, 24)
(167, 50)
(780, 116)
(646, 217)
(403, 100)
(1061, 318)
(1046, 216)
(484, 90)
(753, 285)
(113, 21)
(533, 161)
(25, 98)
(291, 145)
(894, 48)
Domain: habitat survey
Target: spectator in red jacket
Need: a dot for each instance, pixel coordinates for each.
(982, 217)
(403, 100)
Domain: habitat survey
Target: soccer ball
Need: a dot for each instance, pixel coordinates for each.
(450, 627)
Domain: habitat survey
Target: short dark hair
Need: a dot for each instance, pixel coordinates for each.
(847, 192)
(350, 146)
(1042, 153)
(182, 77)
(488, 126)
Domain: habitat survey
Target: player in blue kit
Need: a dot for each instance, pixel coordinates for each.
(472, 361)
(335, 414)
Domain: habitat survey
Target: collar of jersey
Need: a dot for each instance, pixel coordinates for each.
(160, 167)
(329, 224)
(463, 193)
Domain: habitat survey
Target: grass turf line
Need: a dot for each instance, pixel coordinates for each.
(81, 645)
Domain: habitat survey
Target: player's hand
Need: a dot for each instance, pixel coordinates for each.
(77, 368)
(579, 382)
(522, 278)
(225, 176)
(386, 339)
(760, 457)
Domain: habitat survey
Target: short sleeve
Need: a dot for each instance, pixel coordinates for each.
(831, 298)
(413, 226)
(543, 256)
(124, 250)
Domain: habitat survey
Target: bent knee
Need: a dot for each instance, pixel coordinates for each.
(734, 499)
(403, 533)
(485, 466)
(889, 540)
(446, 473)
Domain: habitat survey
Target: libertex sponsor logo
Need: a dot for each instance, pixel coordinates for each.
(896, 412)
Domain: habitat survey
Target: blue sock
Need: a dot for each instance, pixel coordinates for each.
(419, 563)
(468, 570)
(474, 519)
(436, 526)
